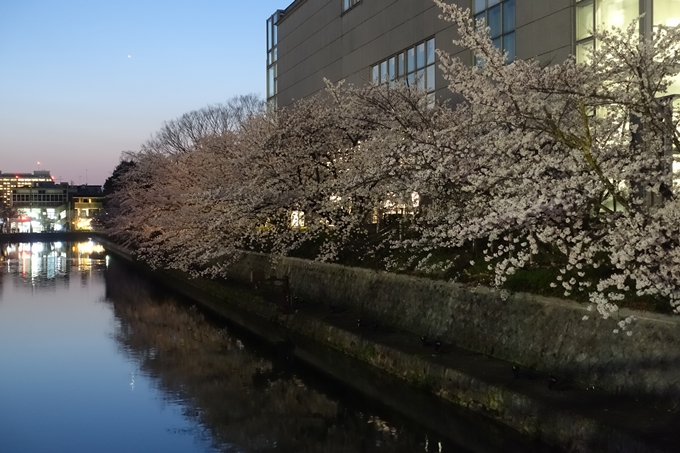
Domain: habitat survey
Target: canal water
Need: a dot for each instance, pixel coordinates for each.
(94, 358)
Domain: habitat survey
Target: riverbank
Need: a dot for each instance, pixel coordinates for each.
(568, 415)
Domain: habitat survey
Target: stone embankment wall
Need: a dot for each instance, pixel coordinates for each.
(546, 334)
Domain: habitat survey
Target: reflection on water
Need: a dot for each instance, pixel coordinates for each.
(94, 358)
(64, 383)
(40, 263)
(246, 400)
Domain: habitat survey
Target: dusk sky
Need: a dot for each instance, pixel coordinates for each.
(82, 81)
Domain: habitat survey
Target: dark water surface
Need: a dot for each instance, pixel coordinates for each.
(94, 358)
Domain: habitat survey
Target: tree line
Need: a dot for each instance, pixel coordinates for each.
(571, 161)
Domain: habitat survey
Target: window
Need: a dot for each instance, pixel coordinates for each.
(594, 14)
(591, 14)
(272, 56)
(297, 219)
(347, 4)
(499, 16)
(667, 12)
(413, 66)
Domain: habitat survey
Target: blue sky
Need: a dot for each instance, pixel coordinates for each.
(72, 99)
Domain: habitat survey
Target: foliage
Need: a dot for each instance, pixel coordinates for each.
(113, 182)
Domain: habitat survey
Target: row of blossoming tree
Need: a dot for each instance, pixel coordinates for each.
(572, 161)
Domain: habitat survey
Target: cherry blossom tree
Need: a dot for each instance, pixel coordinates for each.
(166, 203)
(574, 157)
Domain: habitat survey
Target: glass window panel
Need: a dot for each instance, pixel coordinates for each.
(509, 46)
(675, 89)
(495, 21)
(497, 42)
(276, 35)
(584, 21)
(411, 79)
(429, 78)
(480, 5)
(276, 53)
(402, 69)
(420, 78)
(391, 68)
(430, 51)
(345, 5)
(480, 17)
(617, 13)
(375, 74)
(269, 33)
(583, 51)
(493, 2)
(667, 12)
(508, 16)
(420, 55)
(270, 82)
(383, 72)
(410, 60)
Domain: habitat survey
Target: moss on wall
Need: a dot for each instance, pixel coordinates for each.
(536, 332)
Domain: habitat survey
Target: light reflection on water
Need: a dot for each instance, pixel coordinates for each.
(94, 358)
(46, 262)
(64, 384)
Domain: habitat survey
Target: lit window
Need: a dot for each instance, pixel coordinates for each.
(297, 219)
(499, 16)
(593, 14)
(415, 199)
(667, 12)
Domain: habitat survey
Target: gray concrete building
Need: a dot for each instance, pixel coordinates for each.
(386, 40)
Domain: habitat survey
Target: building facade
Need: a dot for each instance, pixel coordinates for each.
(40, 207)
(86, 203)
(46, 206)
(394, 40)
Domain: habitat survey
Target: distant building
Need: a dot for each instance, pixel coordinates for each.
(86, 203)
(9, 181)
(46, 206)
(41, 207)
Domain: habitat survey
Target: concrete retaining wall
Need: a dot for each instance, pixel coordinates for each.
(542, 333)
